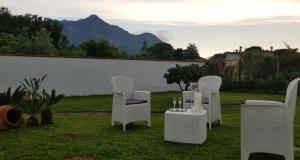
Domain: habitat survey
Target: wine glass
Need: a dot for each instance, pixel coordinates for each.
(179, 101)
(174, 102)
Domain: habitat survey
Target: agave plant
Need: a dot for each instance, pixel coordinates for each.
(50, 99)
(9, 98)
(34, 101)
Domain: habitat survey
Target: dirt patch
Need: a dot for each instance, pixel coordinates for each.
(80, 158)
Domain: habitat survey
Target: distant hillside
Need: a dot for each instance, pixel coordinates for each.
(95, 28)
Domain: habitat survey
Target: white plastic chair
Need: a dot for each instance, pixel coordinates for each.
(129, 105)
(209, 87)
(268, 126)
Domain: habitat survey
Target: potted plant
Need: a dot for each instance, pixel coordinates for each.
(36, 101)
(50, 99)
(33, 101)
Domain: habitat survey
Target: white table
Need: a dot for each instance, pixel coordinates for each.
(186, 127)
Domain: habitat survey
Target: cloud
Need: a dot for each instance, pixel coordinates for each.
(172, 12)
(269, 20)
(165, 35)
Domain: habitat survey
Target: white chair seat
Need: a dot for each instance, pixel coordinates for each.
(204, 101)
(264, 103)
(135, 101)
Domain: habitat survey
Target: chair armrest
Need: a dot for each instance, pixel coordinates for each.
(264, 103)
(120, 94)
(142, 95)
(119, 98)
(212, 95)
(216, 92)
(264, 114)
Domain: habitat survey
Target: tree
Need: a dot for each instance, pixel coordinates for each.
(252, 60)
(145, 46)
(216, 64)
(192, 73)
(267, 67)
(42, 43)
(102, 48)
(288, 62)
(23, 45)
(6, 42)
(178, 54)
(90, 47)
(70, 51)
(185, 75)
(28, 25)
(174, 75)
(144, 51)
(163, 51)
(106, 49)
(191, 52)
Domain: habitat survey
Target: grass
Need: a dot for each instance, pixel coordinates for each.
(159, 101)
(91, 136)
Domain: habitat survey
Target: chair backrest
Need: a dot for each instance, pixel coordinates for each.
(122, 84)
(213, 83)
(291, 97)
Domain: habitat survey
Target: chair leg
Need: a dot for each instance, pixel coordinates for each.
(209, 125)
(289, 156)
(112, 123)
(245, 155)
(124, 127)
(147, 123)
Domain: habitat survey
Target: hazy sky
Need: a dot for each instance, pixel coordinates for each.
(213, 25)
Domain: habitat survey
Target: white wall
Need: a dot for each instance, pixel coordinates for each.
(77, 76)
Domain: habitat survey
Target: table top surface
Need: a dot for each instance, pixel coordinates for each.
(188, 112)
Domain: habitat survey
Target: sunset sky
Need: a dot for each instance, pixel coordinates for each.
(213, 25)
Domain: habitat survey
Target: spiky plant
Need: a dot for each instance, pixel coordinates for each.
(50, 99)
(35, 101)
(9, 98)
(32, 106)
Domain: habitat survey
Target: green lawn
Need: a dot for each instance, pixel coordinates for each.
(159, 101)
(91, 136)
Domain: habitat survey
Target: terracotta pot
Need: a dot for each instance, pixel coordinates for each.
(10, 117)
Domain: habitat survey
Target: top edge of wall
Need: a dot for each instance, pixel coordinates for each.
(87, 58)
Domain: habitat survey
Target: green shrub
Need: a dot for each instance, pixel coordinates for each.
(273, 84)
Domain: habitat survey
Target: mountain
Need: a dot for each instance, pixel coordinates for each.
(95, 28)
